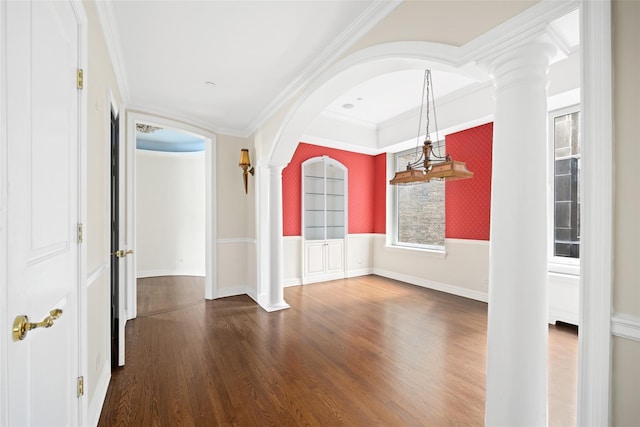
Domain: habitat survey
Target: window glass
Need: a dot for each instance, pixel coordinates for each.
(419, 210)
(566, 232)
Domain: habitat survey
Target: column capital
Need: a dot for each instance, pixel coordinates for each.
(271, 167)
(527, 63)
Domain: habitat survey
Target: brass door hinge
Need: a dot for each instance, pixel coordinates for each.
(80, 233)
(80, 386)
(80, 78)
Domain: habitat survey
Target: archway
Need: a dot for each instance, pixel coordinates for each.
(357, 68)
(210, 197)
(352, 70)
(596, 283)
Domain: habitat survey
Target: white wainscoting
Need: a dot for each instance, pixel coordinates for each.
(625, 326)
(359, 258)
(564, 298)
(461, 269)
(95, 406)
(99, 344)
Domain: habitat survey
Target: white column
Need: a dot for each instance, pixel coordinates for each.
(516, 393)
(271, 294)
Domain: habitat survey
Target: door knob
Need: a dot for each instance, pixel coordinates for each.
(122, 253)
(21, 324)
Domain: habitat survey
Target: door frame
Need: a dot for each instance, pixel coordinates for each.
(112, 105)
(211, 288)
(4, 288)
(83, 55)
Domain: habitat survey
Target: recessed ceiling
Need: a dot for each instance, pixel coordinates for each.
(227, 65)
(382, 98)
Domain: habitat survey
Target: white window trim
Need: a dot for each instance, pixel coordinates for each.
(392, 212)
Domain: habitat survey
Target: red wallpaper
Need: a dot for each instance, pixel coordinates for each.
(468, 201)
(380, 194)
(362, 196)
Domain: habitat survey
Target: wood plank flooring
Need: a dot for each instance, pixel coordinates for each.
(360, 352)
(167, 293)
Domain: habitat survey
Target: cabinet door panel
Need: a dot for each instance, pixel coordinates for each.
(314, 258)
(335, 256)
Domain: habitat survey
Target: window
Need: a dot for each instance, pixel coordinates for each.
(566, 180)
(419, 209)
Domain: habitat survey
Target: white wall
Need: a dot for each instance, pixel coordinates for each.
(170, 216)
(236, 220)
(626, 285)
(101, 85)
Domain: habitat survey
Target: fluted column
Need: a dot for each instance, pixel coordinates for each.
(516, 393)
(271, 294)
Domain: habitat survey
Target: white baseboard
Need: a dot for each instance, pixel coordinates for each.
(625, 326)
(294, 281)
(141, 274)
(99, 396)
(437, 286)
(232, 292)
(360, 272)
(324, 278)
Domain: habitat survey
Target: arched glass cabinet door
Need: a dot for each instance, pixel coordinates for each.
(324, 199)
(324, 219)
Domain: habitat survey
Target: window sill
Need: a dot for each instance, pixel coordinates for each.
(569, 268)
(436, 253)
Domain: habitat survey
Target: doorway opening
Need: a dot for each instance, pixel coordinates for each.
(115, 240)
(170, 218)
(202, 142)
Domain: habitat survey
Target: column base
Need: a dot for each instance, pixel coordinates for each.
(275, 307)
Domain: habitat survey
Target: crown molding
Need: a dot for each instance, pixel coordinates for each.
(528, 26)
(365, 22)
(107, 18)
(189, 121)
(441, 101)
(522, 28)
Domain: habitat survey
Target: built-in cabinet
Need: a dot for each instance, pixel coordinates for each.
(324, 219)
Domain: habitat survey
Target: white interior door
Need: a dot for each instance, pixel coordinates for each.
(43, 256)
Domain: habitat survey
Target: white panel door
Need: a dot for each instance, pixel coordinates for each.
(42, 154)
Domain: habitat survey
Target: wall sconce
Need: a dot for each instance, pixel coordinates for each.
(245, 164)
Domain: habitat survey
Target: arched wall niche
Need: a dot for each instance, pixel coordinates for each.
(355, 69)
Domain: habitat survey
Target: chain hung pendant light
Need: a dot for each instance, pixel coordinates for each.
(430, 165)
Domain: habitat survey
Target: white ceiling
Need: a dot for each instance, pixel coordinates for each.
(257, 54)
(385, 97)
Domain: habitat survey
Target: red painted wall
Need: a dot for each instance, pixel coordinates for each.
(380, 194)
(362, 188)
(468, 201)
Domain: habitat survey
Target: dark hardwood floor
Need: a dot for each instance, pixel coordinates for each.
(360, 352)
(167, 293)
